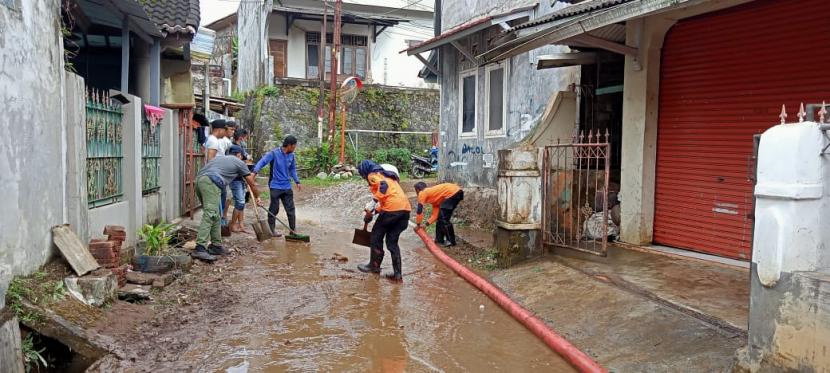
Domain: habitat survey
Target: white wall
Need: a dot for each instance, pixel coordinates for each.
(390, 67)
(32, 167)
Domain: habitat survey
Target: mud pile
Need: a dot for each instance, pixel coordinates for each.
(346, 199)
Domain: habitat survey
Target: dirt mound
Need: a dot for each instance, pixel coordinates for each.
(346, 199)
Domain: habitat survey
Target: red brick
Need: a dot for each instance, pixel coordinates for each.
(113, 228)
(102, 245)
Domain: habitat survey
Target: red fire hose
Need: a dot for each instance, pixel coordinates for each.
(558, 344)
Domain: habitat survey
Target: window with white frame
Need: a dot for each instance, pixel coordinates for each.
(467, 83)
(495, 89)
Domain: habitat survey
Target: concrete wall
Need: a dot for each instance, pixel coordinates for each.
(455, 13)
(31, 166)
(253, 47)
(472, 160)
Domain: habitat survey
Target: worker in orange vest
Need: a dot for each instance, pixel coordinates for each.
(393, 211)
(444, 198)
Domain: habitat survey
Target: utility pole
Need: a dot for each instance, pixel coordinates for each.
(338, 5)
(321, 72)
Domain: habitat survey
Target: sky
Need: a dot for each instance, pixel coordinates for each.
(216, 9)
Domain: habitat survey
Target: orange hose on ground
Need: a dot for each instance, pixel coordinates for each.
(557, 343)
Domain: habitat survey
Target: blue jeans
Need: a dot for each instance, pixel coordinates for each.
(238, 193)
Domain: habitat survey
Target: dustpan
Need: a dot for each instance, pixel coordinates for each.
(362, 237)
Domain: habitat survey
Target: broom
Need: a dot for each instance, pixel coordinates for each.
(290, 236)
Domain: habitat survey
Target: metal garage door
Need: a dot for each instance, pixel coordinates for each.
(724, 77)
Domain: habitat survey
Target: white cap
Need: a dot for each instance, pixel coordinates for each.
(389, 167)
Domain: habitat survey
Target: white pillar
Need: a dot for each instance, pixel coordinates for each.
(131, 166)
(639, 130)
(76, 174)
(170, 165)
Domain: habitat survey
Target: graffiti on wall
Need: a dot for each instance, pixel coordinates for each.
(467, 153)
(467, 149)
(456, 161)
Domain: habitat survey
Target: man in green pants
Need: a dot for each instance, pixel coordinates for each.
(212, 179)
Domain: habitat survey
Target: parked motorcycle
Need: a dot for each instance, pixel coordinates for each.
(423, 166)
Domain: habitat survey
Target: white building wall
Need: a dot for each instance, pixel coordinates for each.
(390, 67)
(32, 166)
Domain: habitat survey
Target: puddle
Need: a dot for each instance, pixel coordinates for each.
(303, 308)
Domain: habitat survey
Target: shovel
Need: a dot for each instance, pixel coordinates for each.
(261, 228)
(362, 237)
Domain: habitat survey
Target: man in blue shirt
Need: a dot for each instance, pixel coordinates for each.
(283, 170)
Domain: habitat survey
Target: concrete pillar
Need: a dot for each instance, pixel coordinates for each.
(520, 206)
(131, 166)
(76, 175)
(11, 356)
(141, 64)
(170, 166)
(789, 313)
(639, 130)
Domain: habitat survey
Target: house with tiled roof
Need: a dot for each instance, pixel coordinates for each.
(295, 47)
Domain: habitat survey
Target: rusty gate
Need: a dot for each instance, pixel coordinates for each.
(192, 161)
(575, 181)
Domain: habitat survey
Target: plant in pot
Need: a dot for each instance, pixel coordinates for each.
(154, 252)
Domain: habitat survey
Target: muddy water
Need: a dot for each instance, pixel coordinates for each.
(306, 311)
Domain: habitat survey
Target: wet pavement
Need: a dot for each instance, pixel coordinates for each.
(303, 308)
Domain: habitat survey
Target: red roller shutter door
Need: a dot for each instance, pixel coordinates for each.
(724, 77)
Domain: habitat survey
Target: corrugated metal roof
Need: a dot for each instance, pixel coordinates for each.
(570, 11)
(463, 29)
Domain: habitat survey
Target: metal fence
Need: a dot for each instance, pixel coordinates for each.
(150, 157)
(575, 194)
(104, 147)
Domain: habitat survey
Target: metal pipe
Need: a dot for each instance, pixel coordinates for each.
(557, 343)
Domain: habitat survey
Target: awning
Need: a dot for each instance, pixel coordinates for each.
(465, 29)
(592, 26)
(565, 59)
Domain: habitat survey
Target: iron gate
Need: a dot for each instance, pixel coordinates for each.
(575, 183)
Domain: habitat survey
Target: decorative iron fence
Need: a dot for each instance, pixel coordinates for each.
(104, 149)
(150, 157)
(576, 209)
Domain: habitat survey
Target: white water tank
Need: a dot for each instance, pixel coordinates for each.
(791, 201)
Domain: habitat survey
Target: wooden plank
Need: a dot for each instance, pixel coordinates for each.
(10, 359)
(73, 250)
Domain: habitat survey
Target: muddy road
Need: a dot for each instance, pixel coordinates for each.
(278, 306)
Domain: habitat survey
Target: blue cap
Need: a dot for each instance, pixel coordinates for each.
(234, 150)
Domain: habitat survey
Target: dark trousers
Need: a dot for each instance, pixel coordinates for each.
(388, 226)
(287, 198)
(444, 231)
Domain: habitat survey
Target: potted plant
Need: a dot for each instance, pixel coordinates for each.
(154, 253)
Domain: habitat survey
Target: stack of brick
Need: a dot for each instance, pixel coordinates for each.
(106, 252)
(116, 233)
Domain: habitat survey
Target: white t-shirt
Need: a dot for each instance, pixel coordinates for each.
(227, 142)
(218, 144)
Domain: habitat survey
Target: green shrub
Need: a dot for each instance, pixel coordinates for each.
(398, 157)
(315, 159)
(157, 238)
